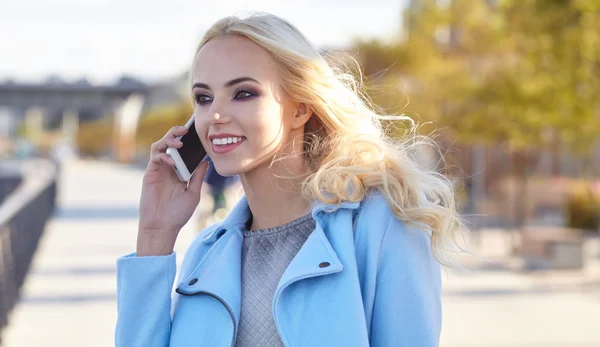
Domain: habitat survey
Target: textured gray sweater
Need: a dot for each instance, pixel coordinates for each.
(266, 254)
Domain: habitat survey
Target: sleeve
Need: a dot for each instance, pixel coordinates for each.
(144, 286)
(407, 308)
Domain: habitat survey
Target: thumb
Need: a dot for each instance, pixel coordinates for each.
(198, 177)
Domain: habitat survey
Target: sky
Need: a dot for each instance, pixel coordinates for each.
(155, 39)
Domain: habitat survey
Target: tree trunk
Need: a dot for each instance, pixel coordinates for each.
(521, 196)
(557, 155)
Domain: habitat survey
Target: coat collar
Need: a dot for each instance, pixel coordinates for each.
(218, 273)
(240, 214)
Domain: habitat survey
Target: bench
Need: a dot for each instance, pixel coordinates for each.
(552, 248)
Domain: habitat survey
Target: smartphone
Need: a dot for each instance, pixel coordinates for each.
(190, 155)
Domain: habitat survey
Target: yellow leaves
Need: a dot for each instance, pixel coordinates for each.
(507, 72)
(155, 122)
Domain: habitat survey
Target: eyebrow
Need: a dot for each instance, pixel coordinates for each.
(227, 84)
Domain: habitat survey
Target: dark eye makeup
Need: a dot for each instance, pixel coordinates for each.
(240, 95)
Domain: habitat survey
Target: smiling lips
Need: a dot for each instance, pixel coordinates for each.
(223, 143)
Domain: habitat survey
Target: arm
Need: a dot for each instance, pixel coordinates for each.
(144, 286)
(407, 307)
(145, 298)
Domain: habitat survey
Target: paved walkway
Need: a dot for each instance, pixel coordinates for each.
(69, 296)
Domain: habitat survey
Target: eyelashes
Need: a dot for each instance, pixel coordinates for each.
(240, 95)
(201, 99)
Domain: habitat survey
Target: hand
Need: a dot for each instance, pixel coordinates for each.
(166, 203)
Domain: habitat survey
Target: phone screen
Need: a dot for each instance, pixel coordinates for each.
(192, 151)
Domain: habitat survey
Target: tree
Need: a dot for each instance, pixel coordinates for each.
(510, 73)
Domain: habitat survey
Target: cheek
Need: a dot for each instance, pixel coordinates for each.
(262, 118)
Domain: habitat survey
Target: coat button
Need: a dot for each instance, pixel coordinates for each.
(193, 281)
(324, 264)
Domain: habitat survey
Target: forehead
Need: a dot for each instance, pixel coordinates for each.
(225, 58)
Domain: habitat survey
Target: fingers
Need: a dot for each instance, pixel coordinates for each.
(158, 149)
(174, 142)
(171, 139)
(198, 177)
(162, 158)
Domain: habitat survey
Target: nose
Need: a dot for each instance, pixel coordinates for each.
(218, 114)
(216, 117)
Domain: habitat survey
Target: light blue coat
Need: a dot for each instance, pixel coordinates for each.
(374, 283)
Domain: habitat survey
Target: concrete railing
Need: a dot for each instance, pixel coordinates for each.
(28, 192)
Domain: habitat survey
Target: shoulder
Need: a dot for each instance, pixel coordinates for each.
(374, 215)
(374, 204)
(377, 228)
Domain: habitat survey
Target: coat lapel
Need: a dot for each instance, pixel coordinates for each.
(316, 258)
(219, 273)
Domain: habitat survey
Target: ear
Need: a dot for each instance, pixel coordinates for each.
(303, 114)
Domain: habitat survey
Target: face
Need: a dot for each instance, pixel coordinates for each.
(242, 116)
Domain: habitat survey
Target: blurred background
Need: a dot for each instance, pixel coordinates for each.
(510, 90)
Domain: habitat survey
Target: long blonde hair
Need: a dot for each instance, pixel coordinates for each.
(346, 146)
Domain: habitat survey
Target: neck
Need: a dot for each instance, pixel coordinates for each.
(275, 200)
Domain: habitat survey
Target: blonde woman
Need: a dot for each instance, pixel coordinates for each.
(338, 239)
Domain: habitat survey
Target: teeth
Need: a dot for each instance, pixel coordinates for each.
(227, 140)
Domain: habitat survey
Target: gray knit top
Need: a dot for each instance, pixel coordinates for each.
(266, 253)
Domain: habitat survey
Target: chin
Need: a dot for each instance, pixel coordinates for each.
(228, 168)
(233, 166)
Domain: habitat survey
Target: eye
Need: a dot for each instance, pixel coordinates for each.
(244, 94)
(202, 99)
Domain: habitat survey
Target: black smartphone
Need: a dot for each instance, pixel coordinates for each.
(190, 155)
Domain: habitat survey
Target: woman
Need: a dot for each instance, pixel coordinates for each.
(336, 240)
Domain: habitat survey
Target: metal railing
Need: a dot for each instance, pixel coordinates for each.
(8, 183)
(28, 191)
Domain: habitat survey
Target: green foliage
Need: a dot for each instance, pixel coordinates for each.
(583, 209)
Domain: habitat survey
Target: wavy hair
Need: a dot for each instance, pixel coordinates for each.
(345, 144)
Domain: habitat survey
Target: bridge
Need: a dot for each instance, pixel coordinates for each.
(56, 105)
(55, 98)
